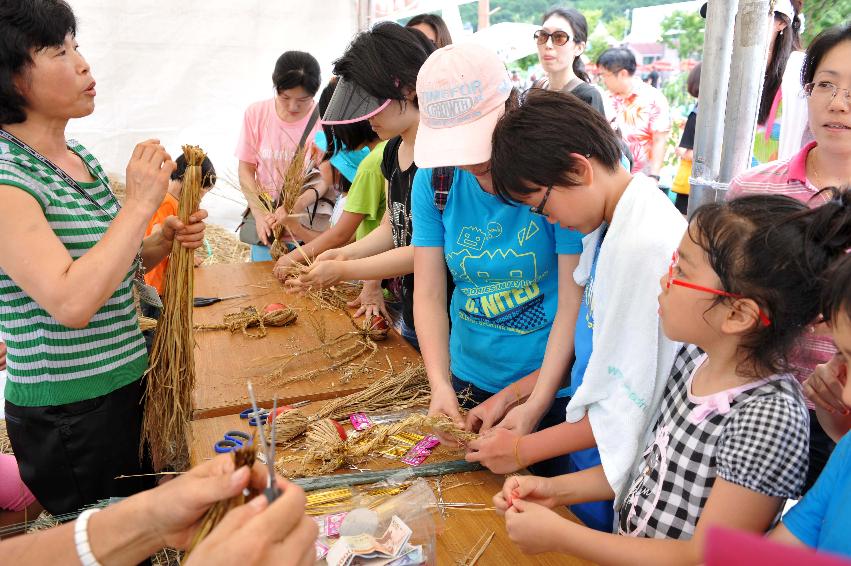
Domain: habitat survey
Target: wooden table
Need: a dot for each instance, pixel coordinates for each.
(224, 361)
(461, 528)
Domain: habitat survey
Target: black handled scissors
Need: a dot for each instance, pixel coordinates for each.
(272, 491)
(207, 301)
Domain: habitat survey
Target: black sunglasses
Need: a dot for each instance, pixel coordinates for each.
(559, 37)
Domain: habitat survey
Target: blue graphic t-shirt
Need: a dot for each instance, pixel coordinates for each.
(820, 520)
(504, 261)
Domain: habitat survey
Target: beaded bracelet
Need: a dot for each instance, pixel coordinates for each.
(81, 538)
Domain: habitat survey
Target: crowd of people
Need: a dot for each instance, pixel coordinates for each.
(659, 376)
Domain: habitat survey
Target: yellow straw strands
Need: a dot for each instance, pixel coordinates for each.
(171, 375)
(296, 173)
(5, 443)
(223, 246)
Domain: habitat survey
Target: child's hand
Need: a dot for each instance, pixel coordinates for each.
(824, 386)
(522, 419)
(534, 528)
(486, 414)
(496, 451)
(534, 489)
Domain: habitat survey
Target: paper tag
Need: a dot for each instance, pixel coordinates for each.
(332, 524)
(321, 550)
(360, 421)
(421, 450)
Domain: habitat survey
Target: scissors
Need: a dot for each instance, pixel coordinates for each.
(265, 414)
(232, 440)
(207, 301)
(272, 491)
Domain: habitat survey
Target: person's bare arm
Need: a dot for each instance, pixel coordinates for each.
(37, 261)
(248, 183)
(657, 152)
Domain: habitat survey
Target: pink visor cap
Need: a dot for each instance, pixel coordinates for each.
(461, 90)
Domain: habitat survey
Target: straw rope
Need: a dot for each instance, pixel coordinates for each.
(250, 317)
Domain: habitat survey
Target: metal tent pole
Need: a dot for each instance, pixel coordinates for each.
(750, 53)
(714, 80)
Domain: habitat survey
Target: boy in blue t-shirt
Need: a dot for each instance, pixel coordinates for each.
(820, 520)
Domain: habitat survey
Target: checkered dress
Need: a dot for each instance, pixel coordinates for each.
(755, 436)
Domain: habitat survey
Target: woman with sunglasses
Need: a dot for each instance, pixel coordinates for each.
(561, 42)
(825, 162)
(632, 228)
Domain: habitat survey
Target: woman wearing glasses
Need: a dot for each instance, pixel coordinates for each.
(825, 162)
(561, 42)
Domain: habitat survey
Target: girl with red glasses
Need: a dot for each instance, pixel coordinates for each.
(730, 443)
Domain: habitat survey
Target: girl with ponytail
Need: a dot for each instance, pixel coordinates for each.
(730, 443)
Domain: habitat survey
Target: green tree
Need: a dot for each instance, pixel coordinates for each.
(822, 14)
(618, 26)
(683, 31)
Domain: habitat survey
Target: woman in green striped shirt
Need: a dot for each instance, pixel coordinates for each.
(68, 257)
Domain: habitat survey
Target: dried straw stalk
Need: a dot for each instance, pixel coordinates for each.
(171, 375)
(394, 392)
(223, 246)
(244, 456)
(250, 317)
(5, 443)
(295, 172)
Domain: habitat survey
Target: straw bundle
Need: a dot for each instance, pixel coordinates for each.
(171, 375)
(403, 390)
(326, 451)
(295, 172)
(223, 246)
(5, 443)
(250, 317)
(244, 456)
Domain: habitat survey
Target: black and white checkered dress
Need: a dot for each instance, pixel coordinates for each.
(755, 436)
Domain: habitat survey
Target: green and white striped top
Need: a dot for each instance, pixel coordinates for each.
(48, 363)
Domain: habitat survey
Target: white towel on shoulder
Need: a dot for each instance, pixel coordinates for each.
(630, 358)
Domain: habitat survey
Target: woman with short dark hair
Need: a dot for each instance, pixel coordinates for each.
(272, 131)
(68, 260)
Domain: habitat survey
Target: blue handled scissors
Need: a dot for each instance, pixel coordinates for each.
(232, 440)
(254, 415)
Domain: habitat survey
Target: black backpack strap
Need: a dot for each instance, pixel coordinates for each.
(309, 127)
(441, 182)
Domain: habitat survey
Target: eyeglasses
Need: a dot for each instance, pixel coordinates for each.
(675, 260)
(559, 37)
(824, 90)
(539, 210)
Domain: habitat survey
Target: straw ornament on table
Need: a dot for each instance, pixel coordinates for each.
(327, 448)
(274, 314)
(397, 391)
(171, 374)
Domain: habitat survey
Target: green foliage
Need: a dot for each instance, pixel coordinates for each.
(683, 31)
(618, 27)
(822, 14)
(526, 62)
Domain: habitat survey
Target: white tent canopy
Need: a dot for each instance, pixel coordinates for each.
(184, 72)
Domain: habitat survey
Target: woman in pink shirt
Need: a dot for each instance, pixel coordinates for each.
(272, 132)
(826, 162)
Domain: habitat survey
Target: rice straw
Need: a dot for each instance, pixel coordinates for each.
(171, 375)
